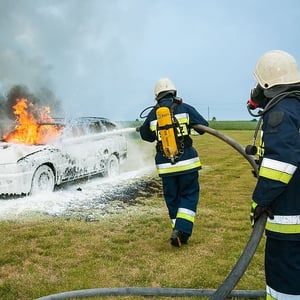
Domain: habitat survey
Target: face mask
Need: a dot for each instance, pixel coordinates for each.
(257, 98)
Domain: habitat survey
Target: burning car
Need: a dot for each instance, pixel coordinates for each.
(43, 152)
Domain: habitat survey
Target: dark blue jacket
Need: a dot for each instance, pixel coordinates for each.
(278, 185)
(189, 161)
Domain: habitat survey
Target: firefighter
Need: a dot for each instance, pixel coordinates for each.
(277, 191)
(169, 123)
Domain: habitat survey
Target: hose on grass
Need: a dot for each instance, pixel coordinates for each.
(226, 288)
(240, 267)
(163, 292)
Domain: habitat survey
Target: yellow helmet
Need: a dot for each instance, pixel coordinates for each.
(164, 85)
(276, 67)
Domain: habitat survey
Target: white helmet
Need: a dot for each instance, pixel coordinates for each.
(164, 85)
(276, 67)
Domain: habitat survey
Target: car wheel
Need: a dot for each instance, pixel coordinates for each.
(112, 167)
(43, 180)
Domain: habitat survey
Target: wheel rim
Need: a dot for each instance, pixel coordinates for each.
(43, 180)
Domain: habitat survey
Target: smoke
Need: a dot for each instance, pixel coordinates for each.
(87, 52)
(41, 97)
(25, 71)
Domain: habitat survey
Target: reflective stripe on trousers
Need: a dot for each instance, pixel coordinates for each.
(274, 295)
(284, 224)
(186, 214)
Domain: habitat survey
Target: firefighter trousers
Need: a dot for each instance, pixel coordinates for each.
(282, 268)
(181, 193)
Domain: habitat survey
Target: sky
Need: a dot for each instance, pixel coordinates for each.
(103, 57)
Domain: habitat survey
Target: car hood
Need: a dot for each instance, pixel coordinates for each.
(11, 153)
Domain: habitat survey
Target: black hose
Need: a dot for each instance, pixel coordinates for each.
(135, 291)
(226, 288)
(237, 272)
(240, 267)
(229, 141)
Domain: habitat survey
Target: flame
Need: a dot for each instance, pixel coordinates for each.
(30, 129)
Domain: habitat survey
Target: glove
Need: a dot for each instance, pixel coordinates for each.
(137, 129)
(257, 211)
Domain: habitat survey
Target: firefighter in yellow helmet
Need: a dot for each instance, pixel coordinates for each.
(169, 123)
(277, 192)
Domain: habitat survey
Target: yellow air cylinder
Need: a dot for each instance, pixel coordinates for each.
(167, 132)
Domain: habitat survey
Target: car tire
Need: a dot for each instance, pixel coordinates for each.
(43, 180)
(112, 167)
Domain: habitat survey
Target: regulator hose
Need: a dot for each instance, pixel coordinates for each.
(226, 288)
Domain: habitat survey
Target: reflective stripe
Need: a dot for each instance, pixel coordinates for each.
(153, 125)
(182, 118)
(274, 295)
(284, 224)
(289, 220)
(186, 214)
(274, 175)
(278, 165)
(180, 166)
(261, 147)
(173, 222)
(276, 170)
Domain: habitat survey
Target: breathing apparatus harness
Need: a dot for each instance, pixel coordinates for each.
(170, 135)
(260, 98)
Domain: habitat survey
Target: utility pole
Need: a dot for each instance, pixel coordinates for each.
(208, 113)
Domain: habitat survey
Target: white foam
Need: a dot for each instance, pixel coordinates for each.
(75, 197)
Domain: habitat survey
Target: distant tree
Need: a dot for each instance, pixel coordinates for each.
(253, 120)
(214, 119)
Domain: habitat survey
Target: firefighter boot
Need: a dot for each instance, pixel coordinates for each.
(184, 237)
(176, 238)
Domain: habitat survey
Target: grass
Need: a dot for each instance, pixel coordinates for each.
(233, 125)
(131, 249)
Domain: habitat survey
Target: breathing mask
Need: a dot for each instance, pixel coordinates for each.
(267, 99)
(257, 98)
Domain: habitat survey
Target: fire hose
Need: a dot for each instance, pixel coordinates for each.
(240, 267)
(225, 289)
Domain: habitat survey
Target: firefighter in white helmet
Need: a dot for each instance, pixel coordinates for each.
(169, 123)
(163, 87)
(277, 192)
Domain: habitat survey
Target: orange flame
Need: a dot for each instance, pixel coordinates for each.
(29, 129)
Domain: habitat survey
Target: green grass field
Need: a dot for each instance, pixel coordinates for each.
(131, 248)
(233, 125)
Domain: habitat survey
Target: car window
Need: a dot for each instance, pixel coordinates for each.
(85, 126)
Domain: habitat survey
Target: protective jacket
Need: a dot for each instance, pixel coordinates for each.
(187, 116)
(278, 185)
